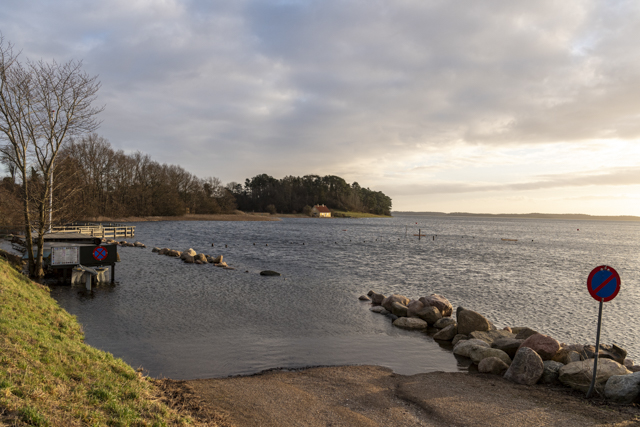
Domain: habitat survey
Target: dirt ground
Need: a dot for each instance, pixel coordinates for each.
(375, 396)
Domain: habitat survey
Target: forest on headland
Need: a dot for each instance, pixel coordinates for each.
(92, 179)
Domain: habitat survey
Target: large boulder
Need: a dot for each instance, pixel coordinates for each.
(508, 345)
(376, 298)
(551, 372)
(431, 315)
(567, 353)
(463, 348)
(612, 352)
(524, 333)
(444, 322)
(577, 375)
(478, 353)
(410, 323)
(492, 365)
(413, 308)
(189, 252)
(386, 303)
(491, 336)
(447, 333)
(439, 302)
(544, 345)
(458, 338)
(526, 368)
(399, 310)
(470, 321)
(623, 388)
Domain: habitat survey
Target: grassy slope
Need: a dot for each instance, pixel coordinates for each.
(360, 214)
(48, 376)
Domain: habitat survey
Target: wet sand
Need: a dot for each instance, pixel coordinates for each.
(375, 396)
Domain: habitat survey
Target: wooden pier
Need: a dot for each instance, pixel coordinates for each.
(110, 231)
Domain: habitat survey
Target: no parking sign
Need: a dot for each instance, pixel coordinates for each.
(603, 285)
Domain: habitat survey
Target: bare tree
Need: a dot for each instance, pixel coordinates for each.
(42, 105)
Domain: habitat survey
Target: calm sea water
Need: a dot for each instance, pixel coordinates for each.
(199, 321)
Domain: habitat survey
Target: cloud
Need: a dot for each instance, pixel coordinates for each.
(236, 88)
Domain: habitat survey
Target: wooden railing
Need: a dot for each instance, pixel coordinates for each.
(108, 232)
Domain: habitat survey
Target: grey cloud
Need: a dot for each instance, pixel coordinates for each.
(234, 88)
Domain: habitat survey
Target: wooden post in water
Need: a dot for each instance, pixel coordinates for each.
(419, 233)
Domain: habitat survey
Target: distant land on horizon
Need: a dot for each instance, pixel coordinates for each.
(529, 215)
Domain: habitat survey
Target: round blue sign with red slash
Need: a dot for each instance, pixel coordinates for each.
(100, 253)
(603, 283)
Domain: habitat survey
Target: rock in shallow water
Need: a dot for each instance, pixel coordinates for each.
(398, 309)
(544, 345)
(477, 354)
(386, 303)
(364, 298)
(376, 298)
(269, 273)
(446, 334)
(444, 322)
(378, 309)
(470, 321)
(463, 348)
(410, 323)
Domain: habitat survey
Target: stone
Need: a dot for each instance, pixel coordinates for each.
(139, 244)
(224, 265)
(378, 309)
(478, 353)
(189, 252)
(458, 338)
(174, 253)
(525, 333)
(265, 272)
(444, 322)
(623, 388)
(571, 357)
(375, 297)
(410, 323)
(197, 262)
(508, 329)
(228, 268)
(635, 368)
(156, 250)
(398, 309)
(628, 363)
(392, 316)
(577, 375)
(492, 365)
(439, 302)
(413, 308)
(463, 348)
(470, 321)
(562, 355)
(386, 303)
(364, 298)
(544, 345)
(446, 334)
(187, 258)
(163, 251)
(202, 258)
(431, 315)
(612, 352)
(490, 336)
(526, 368)
(508, 345)
(551, 372)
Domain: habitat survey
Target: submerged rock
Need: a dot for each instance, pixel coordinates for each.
(410, 323)
(266, 272)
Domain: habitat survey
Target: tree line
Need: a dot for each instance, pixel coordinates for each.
(293, 194)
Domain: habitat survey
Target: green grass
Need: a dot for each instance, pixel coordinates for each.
(349, 214)
(49, 377)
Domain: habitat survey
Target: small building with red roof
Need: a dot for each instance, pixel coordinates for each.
(320, 211)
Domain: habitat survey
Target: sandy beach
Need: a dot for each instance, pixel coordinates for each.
(375, 396)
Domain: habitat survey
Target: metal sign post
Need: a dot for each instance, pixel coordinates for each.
(603, 285)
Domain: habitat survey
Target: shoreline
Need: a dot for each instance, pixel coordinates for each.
(365, 395)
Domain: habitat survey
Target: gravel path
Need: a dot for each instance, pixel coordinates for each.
(375, 396)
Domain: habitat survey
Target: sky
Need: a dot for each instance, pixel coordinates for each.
(450, 106)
